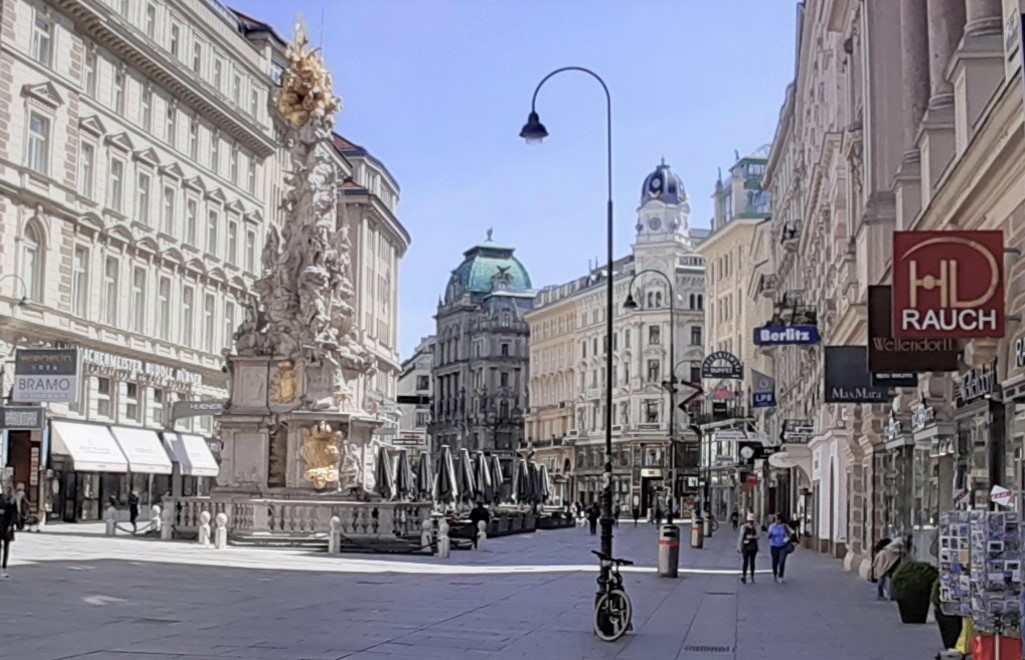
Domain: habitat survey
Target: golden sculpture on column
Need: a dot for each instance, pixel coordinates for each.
(320, 452)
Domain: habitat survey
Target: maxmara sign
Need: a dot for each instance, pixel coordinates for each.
(948, 284)
(783, 335)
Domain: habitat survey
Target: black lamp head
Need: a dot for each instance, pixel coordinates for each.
(630, 302)
(533, 131)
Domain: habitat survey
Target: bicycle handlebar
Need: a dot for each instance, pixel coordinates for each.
(605, 557)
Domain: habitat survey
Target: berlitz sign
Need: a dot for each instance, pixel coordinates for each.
(948, 284)
(783, 335)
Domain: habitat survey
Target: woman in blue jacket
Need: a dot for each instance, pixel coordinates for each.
(781, 544)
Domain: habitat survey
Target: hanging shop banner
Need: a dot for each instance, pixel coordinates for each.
(722, 365)
(22, 418)
(894, 379)
(763, 390)
(978, 384)
(847, 378)
(46, 375)
(797, 431)
(801, 335)
(948, 284)
(889, 355)
(181, 409)
(1019, 352)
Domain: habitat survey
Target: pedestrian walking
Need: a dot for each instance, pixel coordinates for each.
(133, 509)
(735, 519)
(592, 518)
(616, 510)
(637, 515)
(885, 564)
(480, 513)
(747, 546)
(658, 515)
(8, 523)
(781, 544)
(21, 506)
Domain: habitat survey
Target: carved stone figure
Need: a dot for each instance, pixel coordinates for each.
(284, 387)
(320, 452)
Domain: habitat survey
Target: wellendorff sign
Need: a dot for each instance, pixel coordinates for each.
(888, 354)
(948, 284)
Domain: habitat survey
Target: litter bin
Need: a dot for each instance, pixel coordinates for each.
(668, 551)
(697, 533)
(708, 526)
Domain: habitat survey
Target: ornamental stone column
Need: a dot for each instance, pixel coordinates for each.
(976, 69)
(936, 136)
(914, 68)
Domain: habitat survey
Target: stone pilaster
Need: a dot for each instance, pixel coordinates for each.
(982, 17)
(977, 69)
(914, 66)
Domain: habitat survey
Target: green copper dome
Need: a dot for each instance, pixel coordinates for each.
(487, 267)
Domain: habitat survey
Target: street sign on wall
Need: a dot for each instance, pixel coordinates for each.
(948, 284)
(46, 375)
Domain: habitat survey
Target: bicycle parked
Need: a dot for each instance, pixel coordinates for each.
(613, 611)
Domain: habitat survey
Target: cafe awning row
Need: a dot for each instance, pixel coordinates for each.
(192, 453)
(97, 448)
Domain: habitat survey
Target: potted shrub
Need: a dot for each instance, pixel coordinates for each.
(912, 588)
(950, 626)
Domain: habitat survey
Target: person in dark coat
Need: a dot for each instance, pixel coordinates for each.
(593, 514)
(480, 513)
(133, 509)
(8, 523)
(637, 515)
(747, 546)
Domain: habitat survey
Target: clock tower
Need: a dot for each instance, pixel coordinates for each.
(664, 212)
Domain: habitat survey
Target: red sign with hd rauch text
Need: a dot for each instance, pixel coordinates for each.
(948, 284)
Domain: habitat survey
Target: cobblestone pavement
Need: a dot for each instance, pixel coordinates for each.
(75, 594)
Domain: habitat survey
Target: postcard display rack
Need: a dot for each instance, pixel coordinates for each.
(981, 569)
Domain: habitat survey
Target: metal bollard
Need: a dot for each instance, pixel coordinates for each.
(221, 535)
(166, 526)
(204, 529)
(708, 527)
(110, 518)
(482, 535)
(444, 542)
(334, 541)
(154, 518)
(668, 551)
(697, 533)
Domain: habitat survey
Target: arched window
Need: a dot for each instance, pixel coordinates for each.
(32, 261)
(658, 299)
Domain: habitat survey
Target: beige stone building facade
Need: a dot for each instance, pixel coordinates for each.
(139, 175)
(903, 115)
(565, 422)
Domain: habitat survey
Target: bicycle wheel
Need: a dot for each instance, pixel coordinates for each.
(612, 615)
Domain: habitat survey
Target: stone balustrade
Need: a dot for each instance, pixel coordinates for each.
(287, 518)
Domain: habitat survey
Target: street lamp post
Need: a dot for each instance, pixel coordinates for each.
(631, 303)
(534, 132)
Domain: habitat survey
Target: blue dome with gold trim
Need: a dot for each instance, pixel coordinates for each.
(663, 185)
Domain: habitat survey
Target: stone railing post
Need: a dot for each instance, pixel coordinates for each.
(167, 522)
(426, 534)
(110, 518)
(221, 535)
(482, 535)
(444, 543)
(204, 529)
(155, 519)
(334, 541)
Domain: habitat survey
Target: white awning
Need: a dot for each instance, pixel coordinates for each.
(143, 449)
(192, 454)
(92, 448)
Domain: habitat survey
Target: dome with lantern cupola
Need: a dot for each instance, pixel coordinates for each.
(663, 185)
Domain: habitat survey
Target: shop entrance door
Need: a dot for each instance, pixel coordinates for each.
(69, 496)
(19, 456)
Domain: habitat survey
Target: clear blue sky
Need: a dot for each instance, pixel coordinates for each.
(439, 89)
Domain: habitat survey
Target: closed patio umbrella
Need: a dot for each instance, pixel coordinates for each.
(521, 482)
(482, 474)
(404, 486)
(545, 483)
(497, 478)
(464, 476)
(424, 478)
(384, 475)
(533, 483)
(445, 488)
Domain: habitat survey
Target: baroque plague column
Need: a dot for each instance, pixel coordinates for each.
(291, 429)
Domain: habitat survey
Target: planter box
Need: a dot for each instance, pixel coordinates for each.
(950, 628)
(913, 610)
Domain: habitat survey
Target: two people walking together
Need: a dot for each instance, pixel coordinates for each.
(782, 541)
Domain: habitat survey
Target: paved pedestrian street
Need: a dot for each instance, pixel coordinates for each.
(76, 594)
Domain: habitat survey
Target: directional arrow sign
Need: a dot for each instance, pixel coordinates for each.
(690, 391)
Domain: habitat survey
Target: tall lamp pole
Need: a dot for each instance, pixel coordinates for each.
(534, 132)
(670, 385)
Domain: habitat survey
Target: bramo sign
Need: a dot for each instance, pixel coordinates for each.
(46, 376)
(948, 284)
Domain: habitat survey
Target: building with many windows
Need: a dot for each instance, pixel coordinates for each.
(139, 172)
(566, 419)
(414, 394)
(480, 354)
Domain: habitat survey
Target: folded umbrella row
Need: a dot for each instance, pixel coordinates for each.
(462, 479)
